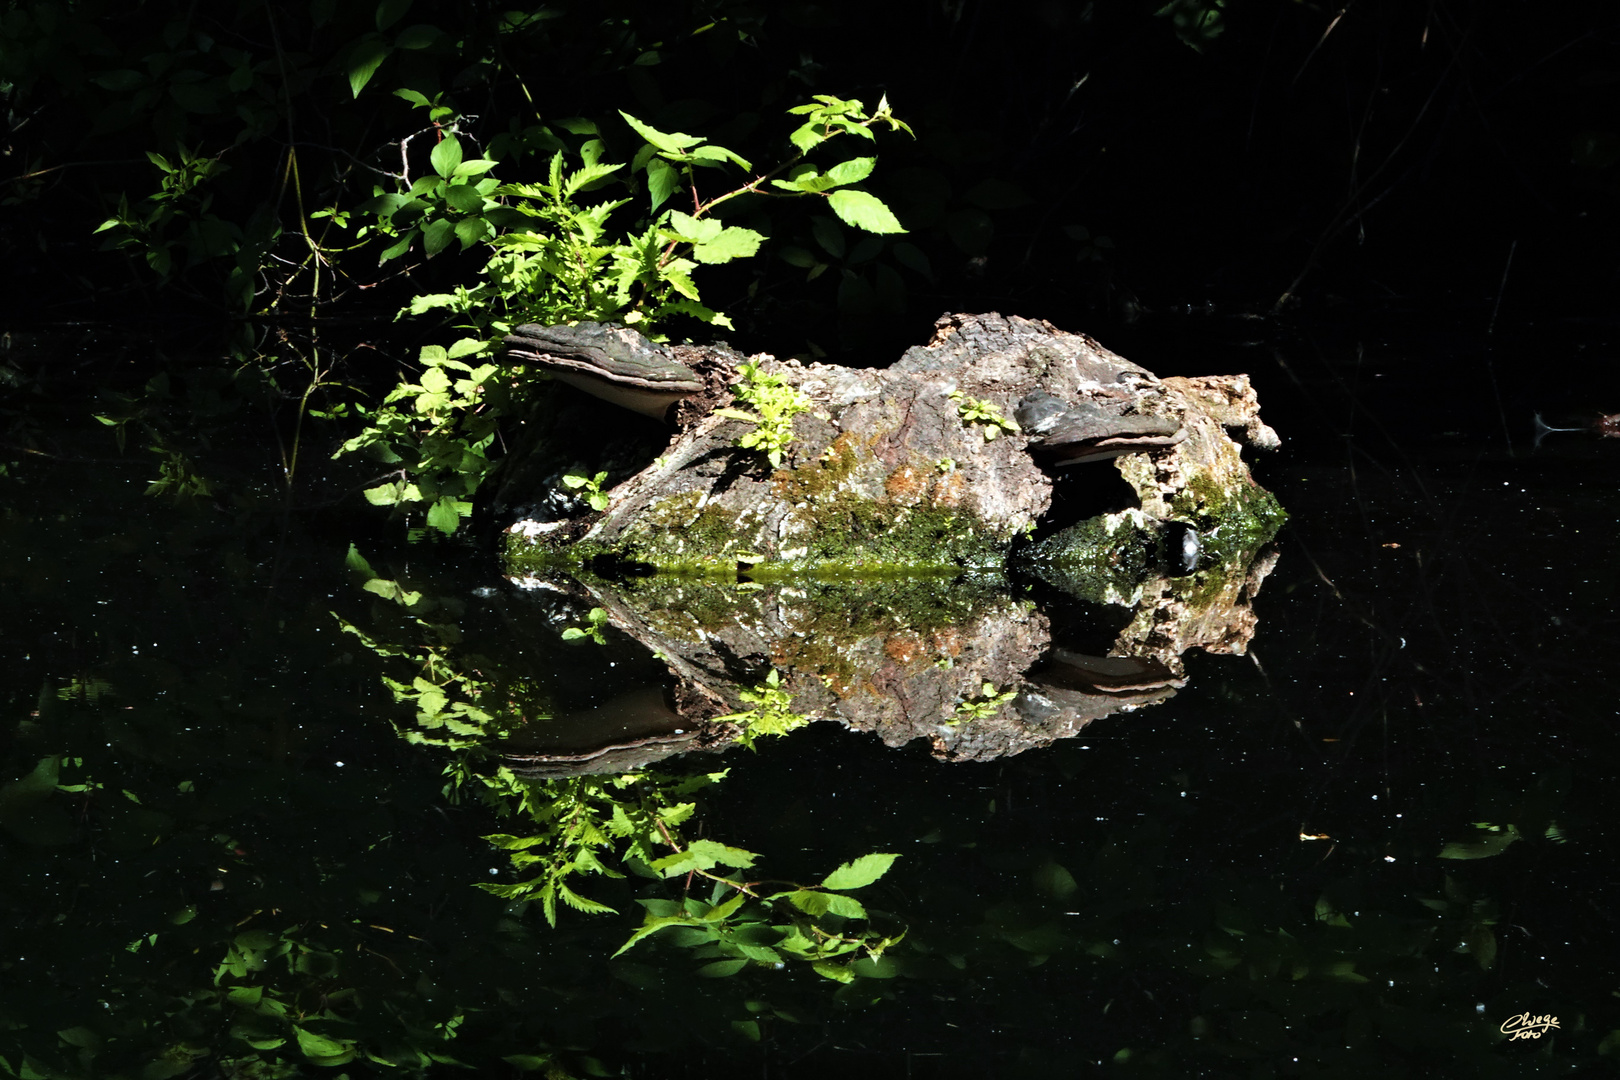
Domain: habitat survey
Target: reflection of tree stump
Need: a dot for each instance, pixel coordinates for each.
(902, 659)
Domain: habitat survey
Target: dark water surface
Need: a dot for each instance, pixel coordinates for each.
(1359, 850)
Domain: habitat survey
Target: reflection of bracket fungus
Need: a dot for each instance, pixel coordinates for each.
(884, 476)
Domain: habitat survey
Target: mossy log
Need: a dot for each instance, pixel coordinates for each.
(904, 469)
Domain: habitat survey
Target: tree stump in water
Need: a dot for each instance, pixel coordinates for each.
(864, 573)
(941, 460)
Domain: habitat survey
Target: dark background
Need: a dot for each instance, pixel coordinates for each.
(1285, 158)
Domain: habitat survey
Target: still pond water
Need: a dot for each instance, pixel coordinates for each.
(1362, 849)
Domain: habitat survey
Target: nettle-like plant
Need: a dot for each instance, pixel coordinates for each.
(565, 249)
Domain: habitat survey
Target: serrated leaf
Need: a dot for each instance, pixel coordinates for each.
(719, 155)
(586, 176)
(845, 906)
(446, 514)
(721, 968)
(662, 181)
(860, 872)
(852, 171)
(382, 495)
(812, 903)
(732, 243)
(835, 972)
(446, 156)
(807, 137)
(682, 284)
(865, 211)
(669, 142)
(582, 903)
(702, 855)
(696, 230)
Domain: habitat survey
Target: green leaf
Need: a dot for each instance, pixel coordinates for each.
(319, 1046)
(367, 56)
(463, 197)
(590, 174)
(721, 968)
(719, 155)
(835, 972)
(581, 903)
(812, 903)
(828, 235)
(846, 906)
(357, 562)
(1052, 880)
(797, 256)
(652, 926)
(732, 243)
(446, 156)
(390, 12)
(383, 494)
(912, 258)
(526, 1062)
(662, 181)
(471, 230)
(395, 250)
(703, 855)
(852, 171)
(670, 143)
(446, 514)
(808, 137)
(1482, 848)
(419, 36)
(1481, 941)
(864, 211)
(695, 230)
(436, 236)
(859, 872)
